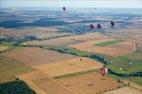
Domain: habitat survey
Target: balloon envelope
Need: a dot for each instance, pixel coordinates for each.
(104, 71)
(92, 26)
(112, 23)
(64, 8)
(99, 26)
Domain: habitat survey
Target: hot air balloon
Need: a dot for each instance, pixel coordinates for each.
(103, 71)
(92, 26)
(99, 26)
(112, 23)
(64, 8)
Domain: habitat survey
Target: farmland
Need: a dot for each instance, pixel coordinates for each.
(53, 52)
(108, 43)
(53, 42)
(92, 83)
(123, 62)
(126, 89)
(43, 84)
(11, 68)
(111, 50)
(34, 56)
(71, 66)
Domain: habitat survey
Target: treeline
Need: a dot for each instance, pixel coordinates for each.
(76, 52)
(100, 58)
(15, 87)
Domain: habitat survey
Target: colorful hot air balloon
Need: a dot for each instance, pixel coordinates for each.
(112, 23)
(64, 8)
(99, 26)
(92, 26)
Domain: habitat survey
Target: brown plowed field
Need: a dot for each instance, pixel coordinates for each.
(34, 56)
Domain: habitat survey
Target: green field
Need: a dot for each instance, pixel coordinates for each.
(120, 64)
(9, 68)
(108, 43)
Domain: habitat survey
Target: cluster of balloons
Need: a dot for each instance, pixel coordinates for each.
(103, 70)
(99, 26)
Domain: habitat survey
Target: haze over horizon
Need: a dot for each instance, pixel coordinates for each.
(72, 3)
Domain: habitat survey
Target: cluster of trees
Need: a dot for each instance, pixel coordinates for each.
(15, 87)
(30, 37)
(133, 74)
(17, 40)
(6, 39)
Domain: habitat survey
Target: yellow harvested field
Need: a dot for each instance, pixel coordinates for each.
(42, 84)
(112, 50)
(125, 90)
(34, 56)
(68, 66)
(3, 48)
(89, 84)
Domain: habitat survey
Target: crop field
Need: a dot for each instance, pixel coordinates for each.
(41, 33)
(34, 56)
(42, 84)
(86, 37)
(58, 42)
(92, 83)
(123, 63)
(126, 90)
(3, 48)
(108, 43)
(70, 50)
(106, 49)
(68, 66)
(9, 68)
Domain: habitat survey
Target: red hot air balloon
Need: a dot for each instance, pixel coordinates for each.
(103, 71)
(92, 26)
(64, 8)
(99, 26)
(112, 23)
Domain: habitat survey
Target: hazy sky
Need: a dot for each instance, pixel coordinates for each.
(72, 3)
